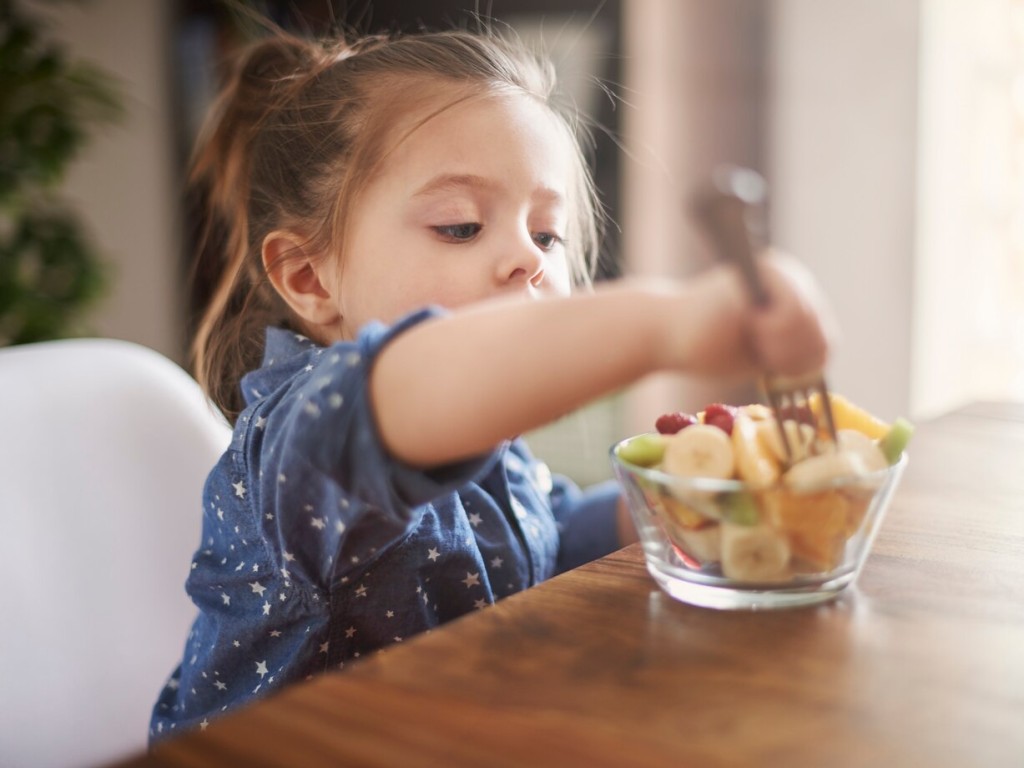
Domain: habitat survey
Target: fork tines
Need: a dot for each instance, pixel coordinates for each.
(789, 399)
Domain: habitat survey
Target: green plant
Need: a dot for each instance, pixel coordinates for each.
(49, 269)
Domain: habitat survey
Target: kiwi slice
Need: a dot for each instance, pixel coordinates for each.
(642, 450)
(894, 442)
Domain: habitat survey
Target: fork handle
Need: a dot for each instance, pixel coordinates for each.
(725, 209)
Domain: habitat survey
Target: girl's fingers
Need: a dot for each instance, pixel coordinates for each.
(793, 334)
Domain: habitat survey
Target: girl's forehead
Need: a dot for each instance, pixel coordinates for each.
(471, 132)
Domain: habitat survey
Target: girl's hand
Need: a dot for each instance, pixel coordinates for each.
(791, 335)
(719, 332)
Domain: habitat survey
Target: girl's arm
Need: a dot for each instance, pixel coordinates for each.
(454, 387)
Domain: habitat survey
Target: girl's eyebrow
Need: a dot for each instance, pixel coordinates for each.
(454, 182)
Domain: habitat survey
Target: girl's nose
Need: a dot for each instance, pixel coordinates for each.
(521, 262)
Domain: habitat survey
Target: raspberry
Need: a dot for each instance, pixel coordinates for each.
(670, 423)
(721, 416)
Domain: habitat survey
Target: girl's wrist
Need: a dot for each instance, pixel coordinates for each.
(651, 306)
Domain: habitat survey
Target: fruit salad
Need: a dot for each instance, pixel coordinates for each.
(729, 499)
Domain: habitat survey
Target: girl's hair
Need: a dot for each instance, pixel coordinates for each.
(294, 138)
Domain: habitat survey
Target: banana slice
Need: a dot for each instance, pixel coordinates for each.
(855, 441)
(753, 552)
(756, 465)
(702, 544)
(700, 450)
(817, 472)
(799, 435)
(757, 411)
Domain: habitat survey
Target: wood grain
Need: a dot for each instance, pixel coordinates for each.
(922, 664)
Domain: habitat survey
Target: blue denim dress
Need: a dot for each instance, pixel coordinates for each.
(318, 547)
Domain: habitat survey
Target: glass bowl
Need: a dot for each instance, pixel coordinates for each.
(720, 544)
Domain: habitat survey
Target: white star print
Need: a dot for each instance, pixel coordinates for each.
(390, 614)
(319, 523)
(204, 725)
(226, 598)
(471, 579)
(339, 527)
(288, 557)
(266, 608)
(261, 668)
(260, 422)
(258, 588)
(433, 554)
(481, 603)
(497, 562)
(361, 590)
(335, 400)
(350, 632)
(312, 409)
(239, 489)
(475, 519)
(324, 646)
(275, 633)
(220, 514)
(220, 685)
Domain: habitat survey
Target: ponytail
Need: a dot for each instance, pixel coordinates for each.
(228, 339)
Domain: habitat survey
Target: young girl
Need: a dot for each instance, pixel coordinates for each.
(400, 222)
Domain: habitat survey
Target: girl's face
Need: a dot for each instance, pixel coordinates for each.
(472, 204)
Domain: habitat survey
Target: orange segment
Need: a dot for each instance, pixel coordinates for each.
(683, 515)
(858, 504)
(815, 523)
(848, 416)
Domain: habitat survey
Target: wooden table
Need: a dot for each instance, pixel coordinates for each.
(921, 665)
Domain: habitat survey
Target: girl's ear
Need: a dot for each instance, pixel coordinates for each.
(295, 273)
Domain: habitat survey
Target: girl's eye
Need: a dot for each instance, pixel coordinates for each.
(547, 240)
(458, 233)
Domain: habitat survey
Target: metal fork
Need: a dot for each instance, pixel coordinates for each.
(732, 212)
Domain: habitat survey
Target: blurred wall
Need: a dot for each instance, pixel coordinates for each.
(842, 156)
(126, 183)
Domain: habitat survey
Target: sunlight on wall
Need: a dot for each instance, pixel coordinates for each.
(969, 304)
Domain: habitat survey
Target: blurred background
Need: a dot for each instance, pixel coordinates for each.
(891, 133)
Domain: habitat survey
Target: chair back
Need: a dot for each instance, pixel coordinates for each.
(104, 448)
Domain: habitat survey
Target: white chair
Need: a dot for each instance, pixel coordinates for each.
(104, 448)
